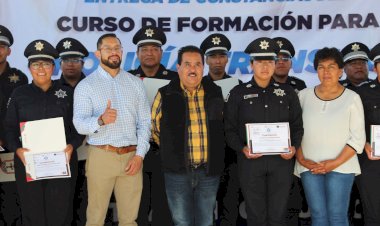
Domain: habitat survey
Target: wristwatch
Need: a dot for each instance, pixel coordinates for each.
(100, 121)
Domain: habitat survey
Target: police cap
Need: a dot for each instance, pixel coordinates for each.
(5, 36)
(285, 46)
(262, 49)
(70, 47)
(215, 44)
(375, 53)
(40, 49)
(151, 35)
(355, 50)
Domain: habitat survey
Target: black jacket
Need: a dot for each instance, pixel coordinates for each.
(29, 103)
(249, 103)
(370, 95)
(10, 79)
(174, 128)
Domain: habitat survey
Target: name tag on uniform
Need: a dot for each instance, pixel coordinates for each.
(250, 96)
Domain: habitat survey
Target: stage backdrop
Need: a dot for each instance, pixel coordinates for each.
(309, 24)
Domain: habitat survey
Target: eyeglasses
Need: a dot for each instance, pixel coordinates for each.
(44, 65)
(72, 61)
(285, 59)
(109, 50)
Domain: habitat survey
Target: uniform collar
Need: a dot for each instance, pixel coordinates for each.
(208, 76)
(65, 83)
(140, 72)
(40, 90)
(271, 83)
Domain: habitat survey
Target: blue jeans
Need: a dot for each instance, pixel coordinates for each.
(191, 197)
(328, 197)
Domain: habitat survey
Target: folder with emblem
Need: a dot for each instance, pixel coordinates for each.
(375, 140)
(46, 141)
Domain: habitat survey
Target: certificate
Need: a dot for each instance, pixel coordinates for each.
(152, 85)
(375, 140)
(46, 142)
(50, 165)
(268, 138)
(226, 85)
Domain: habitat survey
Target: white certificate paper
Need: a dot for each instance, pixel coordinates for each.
(226, 85)
(46, 142)
(268, 138)
(51, 165)
(375, 140)
(152, 85)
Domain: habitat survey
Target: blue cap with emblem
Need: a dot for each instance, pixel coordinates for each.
(149, 35)
(215, 44)
(70, 47)
(5, 36)
(262, 49)
(40, 49)
(285, 46)
(355, 50)
(375, 53)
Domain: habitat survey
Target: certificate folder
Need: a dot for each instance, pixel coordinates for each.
(46, 142)
(268, 138)
(375, 140)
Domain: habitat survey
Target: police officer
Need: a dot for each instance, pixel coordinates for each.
(265, 179)
(72, 53)
(149, 52)
(43, 202)
(355, 57)
(149, 40)
(215, 48)
(10, 78)
(297, 198)
(284, 64)
(368, 181)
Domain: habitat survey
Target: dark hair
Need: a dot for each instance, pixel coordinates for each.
(100, 40)
(328, 54)
(189, 49)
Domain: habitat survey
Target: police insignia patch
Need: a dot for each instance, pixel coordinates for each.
(14, 78)
(279, 92)
(149, 32)
(216, 40)
(67, 44)
(39, 46)
(60, 94)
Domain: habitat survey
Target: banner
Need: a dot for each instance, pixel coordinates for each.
(308, 24)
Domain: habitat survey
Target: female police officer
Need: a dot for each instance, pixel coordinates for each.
(43, 202)
(265, 180)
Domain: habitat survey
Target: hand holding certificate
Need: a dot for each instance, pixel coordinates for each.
(45, 141)
(375, 140)
(268, 138)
